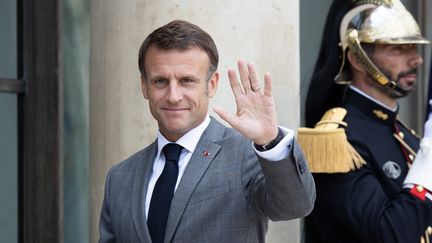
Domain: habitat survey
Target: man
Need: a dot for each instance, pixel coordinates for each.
(218, 187)
(365, 190)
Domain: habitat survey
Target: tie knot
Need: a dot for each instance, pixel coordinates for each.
(172, 151)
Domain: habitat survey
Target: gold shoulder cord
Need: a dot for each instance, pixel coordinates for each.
(404, 144)
(400, 138)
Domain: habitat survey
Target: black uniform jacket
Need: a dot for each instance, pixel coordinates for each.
(370, 204)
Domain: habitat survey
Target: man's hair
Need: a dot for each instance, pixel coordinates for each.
(179, 35)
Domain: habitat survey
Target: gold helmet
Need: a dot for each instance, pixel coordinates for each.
(378, 22)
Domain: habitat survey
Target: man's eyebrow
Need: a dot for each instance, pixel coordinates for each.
(189, 76)
(157, 77)
(185, 76)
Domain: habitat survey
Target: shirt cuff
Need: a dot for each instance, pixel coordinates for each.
(281, 150)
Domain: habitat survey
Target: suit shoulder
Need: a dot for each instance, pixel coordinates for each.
(231, 132)
(235, 137)
(222, 132)
(131, 162)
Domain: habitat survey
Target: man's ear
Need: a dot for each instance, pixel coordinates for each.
(213, 84)
(144, 87)
(355, 64)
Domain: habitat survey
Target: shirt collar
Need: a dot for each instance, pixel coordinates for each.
(188, 141)
(372, 99)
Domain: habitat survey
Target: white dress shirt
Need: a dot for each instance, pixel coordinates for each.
(189, 142)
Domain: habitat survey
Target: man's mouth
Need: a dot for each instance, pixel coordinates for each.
(410, 74)
(174, 110)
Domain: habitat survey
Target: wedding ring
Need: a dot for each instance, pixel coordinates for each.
(256, 88)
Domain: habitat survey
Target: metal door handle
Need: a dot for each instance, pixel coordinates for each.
(12, 86)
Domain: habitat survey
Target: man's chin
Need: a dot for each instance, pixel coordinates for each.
(397, 94)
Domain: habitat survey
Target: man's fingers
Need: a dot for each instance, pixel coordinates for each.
(234, 83)
(249, 80)
(244, 76)
(255, 86)
(267, 85)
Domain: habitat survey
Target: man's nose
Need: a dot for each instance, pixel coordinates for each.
(174, 92)
(415, 59)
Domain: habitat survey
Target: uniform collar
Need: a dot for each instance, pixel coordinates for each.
(371, 107)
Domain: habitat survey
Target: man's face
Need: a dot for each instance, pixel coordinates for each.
(178, 89)
(399, 63)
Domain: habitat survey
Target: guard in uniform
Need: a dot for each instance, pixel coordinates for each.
(373, 175)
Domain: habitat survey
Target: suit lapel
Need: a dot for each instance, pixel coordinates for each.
(139, 190)
(204, 153)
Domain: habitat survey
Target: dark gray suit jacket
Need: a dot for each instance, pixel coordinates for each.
(225, 196)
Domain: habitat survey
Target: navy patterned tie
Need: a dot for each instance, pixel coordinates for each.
(163, 193)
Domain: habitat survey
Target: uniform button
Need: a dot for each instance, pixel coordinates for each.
(411, 157)
(419, 188)
(401, 135)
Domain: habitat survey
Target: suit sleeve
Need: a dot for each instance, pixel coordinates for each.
(358, 202)
(105, 228)
(280, 190)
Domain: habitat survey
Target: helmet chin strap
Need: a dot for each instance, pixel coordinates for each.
(396, 87)
(371, 68)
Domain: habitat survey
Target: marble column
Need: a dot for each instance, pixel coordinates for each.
(265, 32)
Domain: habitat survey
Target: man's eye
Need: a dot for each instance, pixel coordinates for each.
(160, 82)
(186, 80)
(404, 48)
